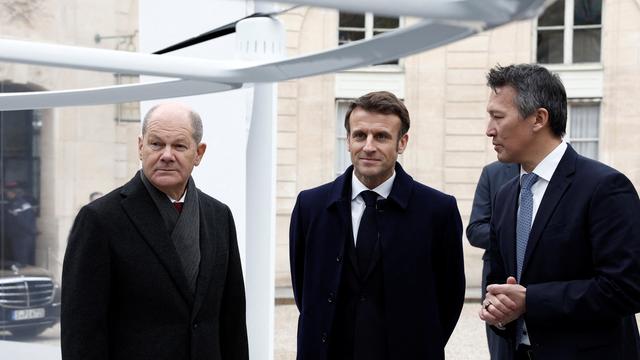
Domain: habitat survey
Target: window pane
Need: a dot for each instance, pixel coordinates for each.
(381, 22)
(586, 148)
(553, 16)
(584, 128)
(584, 121)
(550, 46)
(587, 12)
(347, 36)
(586, 45)
(351, 20)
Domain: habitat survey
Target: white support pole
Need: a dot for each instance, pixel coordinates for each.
(260, 226)
(262, 38)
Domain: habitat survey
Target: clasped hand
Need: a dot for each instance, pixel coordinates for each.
(503, 303)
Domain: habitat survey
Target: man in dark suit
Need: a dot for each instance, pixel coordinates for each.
(492, 178)
(152, 269)
(376, 257)
(565, 235)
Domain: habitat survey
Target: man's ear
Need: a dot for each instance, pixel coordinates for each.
(202, 147)
(402, 143)
(140, 143)
(541, 119)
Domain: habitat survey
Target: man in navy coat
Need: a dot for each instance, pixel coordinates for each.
(376, 257)
(492, 178)
(565, 234)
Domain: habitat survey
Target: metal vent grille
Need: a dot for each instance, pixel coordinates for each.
(26, 293)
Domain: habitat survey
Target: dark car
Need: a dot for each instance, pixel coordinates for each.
(29, 300)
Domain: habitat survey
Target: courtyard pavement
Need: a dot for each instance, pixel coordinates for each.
(467, 342)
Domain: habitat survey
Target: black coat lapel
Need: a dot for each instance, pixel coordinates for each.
(212, 236)
(508, 232)
(560, 182)
(390, 215)
(340, 203)
(142, 212)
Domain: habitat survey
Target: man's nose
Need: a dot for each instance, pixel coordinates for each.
(368, 144)
(167, 153)
(491, 129)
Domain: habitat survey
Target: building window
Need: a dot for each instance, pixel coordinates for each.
(569, 32)
(354, 27)
(342, 157)
(583, 128)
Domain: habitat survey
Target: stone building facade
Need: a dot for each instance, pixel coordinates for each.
(75, 151)
(444, 90)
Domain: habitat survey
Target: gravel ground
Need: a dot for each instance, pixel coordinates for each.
(467, 342)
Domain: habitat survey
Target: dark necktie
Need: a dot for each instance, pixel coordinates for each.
(523, 228)
(367, 232)
(178, 206)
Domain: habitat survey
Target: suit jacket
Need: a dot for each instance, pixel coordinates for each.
(125, 294)
(582, 263)
(492, 178)
(420, 250)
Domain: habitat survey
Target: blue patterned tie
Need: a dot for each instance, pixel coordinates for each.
(523, 229)
(524, 219)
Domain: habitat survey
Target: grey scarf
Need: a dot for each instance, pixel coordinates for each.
(183, 228)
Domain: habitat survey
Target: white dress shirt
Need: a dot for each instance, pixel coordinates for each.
(544, 170)
(184, 195)
(357, 202)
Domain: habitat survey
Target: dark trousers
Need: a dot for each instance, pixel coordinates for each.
(523, 352)
(498, 346)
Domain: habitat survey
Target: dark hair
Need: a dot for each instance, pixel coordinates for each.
(381, 102)
(196, 123)
(536, 87)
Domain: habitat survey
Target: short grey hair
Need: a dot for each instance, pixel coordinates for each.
(196, 123)
(536, 87)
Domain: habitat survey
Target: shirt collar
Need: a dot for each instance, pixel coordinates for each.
(383, 189)
(548, 165)
(181, 199)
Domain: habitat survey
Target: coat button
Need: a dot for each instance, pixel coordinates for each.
(324, 338)
(331, 297)
(195, 325)
(338, 258)
(363, 298)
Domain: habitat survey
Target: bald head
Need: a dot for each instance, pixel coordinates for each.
(174, 110)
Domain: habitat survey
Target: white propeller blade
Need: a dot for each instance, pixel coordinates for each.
(197, 73)
(485, 11)
(109, 94)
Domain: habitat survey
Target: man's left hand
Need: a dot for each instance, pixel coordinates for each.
(504, 303)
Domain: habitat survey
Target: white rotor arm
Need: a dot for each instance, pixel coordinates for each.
(109, 94)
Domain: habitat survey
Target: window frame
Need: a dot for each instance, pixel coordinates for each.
(568, 29)
(368, 34)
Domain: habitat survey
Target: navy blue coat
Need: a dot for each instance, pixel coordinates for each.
(422, 264)
(582, 263)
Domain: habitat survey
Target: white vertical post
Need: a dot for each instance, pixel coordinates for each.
(261, 38)
(260, 226)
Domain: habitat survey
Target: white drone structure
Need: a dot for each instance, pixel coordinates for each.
(259, 62)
